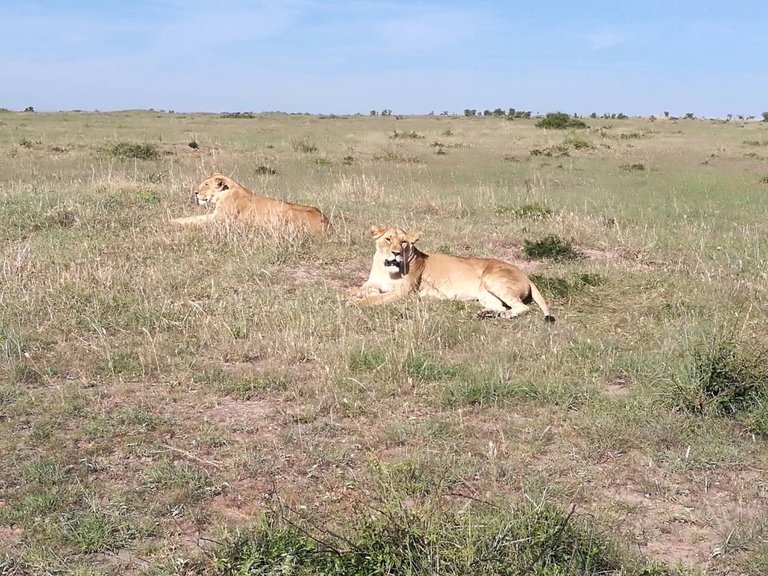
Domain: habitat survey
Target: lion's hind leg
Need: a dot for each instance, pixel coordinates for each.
(500, 295)
(495, 307)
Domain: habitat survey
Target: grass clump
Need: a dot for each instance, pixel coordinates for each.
(563, 288)
(578, 143)
(304, 145)
(728, 379)
(363, 361)
(408, 135)
(424, 370)
(533, 211)
(320, 161)
(550, 247)
(482, 391)
(426, 540)
(556, 151)
(129, 150)
(264, 170)
(560, 121)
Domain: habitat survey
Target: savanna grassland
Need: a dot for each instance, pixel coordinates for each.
(202, 401)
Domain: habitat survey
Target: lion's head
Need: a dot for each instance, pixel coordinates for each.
(212, 189)
(395, 247)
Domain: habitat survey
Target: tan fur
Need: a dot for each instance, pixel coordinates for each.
(400, 268)
(234, 202)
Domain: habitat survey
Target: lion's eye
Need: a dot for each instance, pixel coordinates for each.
(387, 239)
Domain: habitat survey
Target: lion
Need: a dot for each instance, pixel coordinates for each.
(400, 268)
(234, 202)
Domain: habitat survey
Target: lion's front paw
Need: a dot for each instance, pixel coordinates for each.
(358, 295)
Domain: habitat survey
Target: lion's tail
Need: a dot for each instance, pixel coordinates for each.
(539, 299)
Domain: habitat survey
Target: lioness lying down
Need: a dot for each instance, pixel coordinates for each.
(400, 268)
(236, 203)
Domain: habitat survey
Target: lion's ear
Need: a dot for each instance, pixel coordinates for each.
(220, 183)
(412, 237)
(377, 231)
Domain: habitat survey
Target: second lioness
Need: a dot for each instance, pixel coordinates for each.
(234, 202)
(400, 268)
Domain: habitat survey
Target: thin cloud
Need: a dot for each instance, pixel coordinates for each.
(603, 40)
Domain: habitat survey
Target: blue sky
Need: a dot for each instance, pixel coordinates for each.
(343, 56)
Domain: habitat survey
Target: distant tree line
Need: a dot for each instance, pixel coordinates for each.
(510, 114)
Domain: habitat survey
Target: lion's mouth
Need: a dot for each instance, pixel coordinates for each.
(392, 263)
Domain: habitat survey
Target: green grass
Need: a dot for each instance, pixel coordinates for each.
(165, 387)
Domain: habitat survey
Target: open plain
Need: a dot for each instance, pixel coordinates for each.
(170, 399)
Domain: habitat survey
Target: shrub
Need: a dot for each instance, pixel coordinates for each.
(134, 151)
(551, 247)
(237, 115)
(559, 121)
(729, 379)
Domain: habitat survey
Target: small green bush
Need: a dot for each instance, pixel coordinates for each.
(134, 151)
(728, 379)
(551, 247)
(559, 121)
